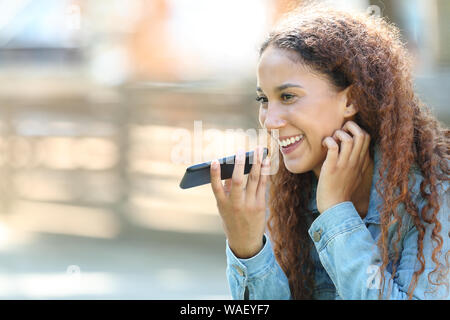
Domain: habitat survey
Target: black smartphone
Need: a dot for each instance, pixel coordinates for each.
(199, 174)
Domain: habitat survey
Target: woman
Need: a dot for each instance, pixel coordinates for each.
(359, 208)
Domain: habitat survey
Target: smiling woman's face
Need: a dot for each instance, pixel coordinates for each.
(311, 107)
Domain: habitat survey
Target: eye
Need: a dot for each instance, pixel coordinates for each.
(288, 96)
(262, 100)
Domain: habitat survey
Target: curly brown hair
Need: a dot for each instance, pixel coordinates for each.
(366, 52)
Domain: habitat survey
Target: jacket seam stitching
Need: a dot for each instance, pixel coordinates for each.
(264, 272)
(337, 234)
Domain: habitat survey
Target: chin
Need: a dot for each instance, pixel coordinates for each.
(299, 165)
(295, 167)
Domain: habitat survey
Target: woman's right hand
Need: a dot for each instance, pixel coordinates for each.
(243, 207)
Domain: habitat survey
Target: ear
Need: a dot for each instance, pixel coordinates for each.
(350, 110)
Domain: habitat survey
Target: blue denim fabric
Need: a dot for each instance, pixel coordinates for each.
(346, 256)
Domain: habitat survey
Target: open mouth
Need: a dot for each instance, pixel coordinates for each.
(291, 147)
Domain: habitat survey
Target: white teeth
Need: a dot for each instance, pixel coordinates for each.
(285, 143)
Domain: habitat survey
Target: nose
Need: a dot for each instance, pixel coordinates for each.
(273, 119)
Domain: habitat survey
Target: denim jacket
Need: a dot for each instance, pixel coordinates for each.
(346, 257)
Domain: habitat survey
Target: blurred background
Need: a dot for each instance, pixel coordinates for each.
(96, 98)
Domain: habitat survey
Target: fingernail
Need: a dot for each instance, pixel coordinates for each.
(256, 155)
(261, 152)
(240, 155)
(215, 164)
(265, 169)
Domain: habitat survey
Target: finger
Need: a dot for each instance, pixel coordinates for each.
(358, 135)
(227, 186)
(366, 144)
(237, 178)
(332, 150)
(216, 182)
(346, 146)
(261, 190)
(254, 175)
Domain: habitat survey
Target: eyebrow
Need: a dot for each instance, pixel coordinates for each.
(282, 87)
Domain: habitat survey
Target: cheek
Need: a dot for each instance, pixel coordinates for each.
(318, 133)
(317, 127)
(262, 118)
(324, 120)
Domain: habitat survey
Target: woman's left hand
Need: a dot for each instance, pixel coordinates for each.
(342, 170)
